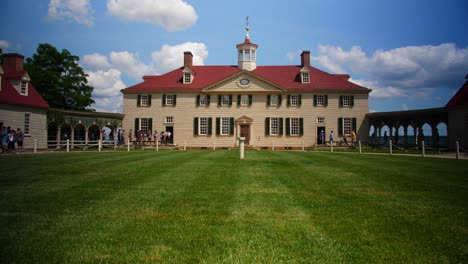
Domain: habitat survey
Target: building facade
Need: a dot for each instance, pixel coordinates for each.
(21, 106)
(282, 106)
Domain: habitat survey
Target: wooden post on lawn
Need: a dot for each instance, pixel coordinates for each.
(360, 149)
(302, 145)
(214, 145)
(457, 150)
(391, 147)
(35, 145)
(185, 145)
(99, 145)
(68, 145)
(423, 149)
(273, 146)
(157, 145)
(241, 147)
(128, 145)
(331, 146)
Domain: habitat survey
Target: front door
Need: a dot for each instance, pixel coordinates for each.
(245, 132)
(321, 135)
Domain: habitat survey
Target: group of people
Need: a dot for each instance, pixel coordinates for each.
(11, 139)
(147, 136)
(331, 138)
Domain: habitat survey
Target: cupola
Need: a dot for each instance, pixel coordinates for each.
(247, 52)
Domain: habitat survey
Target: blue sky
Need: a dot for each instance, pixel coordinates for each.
(412, 54)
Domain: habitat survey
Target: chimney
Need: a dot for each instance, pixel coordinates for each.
(13, 62)
(305, 58)
(188, 59)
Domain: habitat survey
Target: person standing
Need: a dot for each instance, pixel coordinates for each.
(19, 139)
(168, 137)
(130, 136)
(385, 137)
(155, 136)
(322, 137)
(331, 138)
(353, 138)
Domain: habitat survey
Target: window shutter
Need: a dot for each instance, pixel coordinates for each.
(207, 100)
(149, 99)
(231, 126)
(354, 128)
(198, 100)
(280, 131)
(138, 100)
(340, 126)
(301, 126)
(289, 100)
(268, 100)
(218, 127)
(325, 100)
(351, 100)
(137, 127)
(210, 127)
(250, 99)
(279, 100)
(299, 100)
(219, 100)
(267, 126)
(315, 100)
(287, 127)
(163, 100)
(195, 126)
(341, 101)
(175, 99)
(230, 99)
(150, 125)
(239, 99)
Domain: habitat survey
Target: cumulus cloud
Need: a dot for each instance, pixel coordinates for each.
(106, 83)
(413, 71)
(172, 15)
(171, 57)
(108, 104)
(130, 64)
(4, 45)
(79, 11)
(96, 61)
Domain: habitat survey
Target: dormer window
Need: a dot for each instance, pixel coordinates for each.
(305, 77)
(24, 88)
(187, 77)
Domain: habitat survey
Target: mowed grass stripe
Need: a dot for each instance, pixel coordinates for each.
(208, 206)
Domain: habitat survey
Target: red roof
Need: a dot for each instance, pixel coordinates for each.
(9, 95)
(460, 98)
(286, 77)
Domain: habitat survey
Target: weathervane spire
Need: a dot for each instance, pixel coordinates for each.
(247, 28)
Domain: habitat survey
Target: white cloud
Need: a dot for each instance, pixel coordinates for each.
(108, 104)
(4, 45)
(96, 61)
(293, 55)
(404, 107)
(106, 83)
(171, 57)
(130, 64)
(172, 15)
(413, 71)
(79, 11)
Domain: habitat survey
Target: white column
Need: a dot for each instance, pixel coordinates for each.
(68, 145)
(241, 147)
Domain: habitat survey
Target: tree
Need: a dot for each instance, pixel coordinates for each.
(59, 78)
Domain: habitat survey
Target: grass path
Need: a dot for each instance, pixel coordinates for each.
(205, 206)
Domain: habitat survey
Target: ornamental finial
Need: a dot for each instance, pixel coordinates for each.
(247, 28)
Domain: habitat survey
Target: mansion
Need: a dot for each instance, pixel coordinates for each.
(283, 106)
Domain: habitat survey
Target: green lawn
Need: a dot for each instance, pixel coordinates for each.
(211, 207)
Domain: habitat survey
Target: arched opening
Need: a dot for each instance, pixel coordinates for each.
(398, 135)
(79, 132)
(411, 139)
(52, 131)
(93, 133)
(441, 136)
(65, 131)
(426, 135)
(384, 134)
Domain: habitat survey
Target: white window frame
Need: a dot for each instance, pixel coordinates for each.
(294, 100)
(169, 99)
(320, 120)
(169, 120)
(320, 100)
(203, 100)
(305, 77)
(273, 100)
(144, 124)
(294, 126)
(246, 55)
(347, 123)
(244, 100)
(252, 55)
(225, 126)
(203, 126)
(144, 100)
(187, 77)
(346, 101)
(224, 100)
(24, 88)
(274, 126)
(27, 123)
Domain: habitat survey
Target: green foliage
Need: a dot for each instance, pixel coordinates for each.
(59, 78)
(210, 207)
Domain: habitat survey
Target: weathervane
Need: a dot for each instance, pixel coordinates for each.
(247, 28)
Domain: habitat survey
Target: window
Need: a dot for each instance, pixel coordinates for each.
(294, 126)
(274, 100)
(246, 55)
(346, 101)
(169, 119)
(253, 55)
(169, 99)
(321, 120)
(225, 100)
(305, 77)
(144, 100)
(26, 123)
(24, 88)
(224, 126)
(346, 125)
(203, 100)
(144, 124)
(240, 55)
(203, 128)
(320, 100)
(244, 100)
(294, 100)
(274, 126)
(187, 77)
